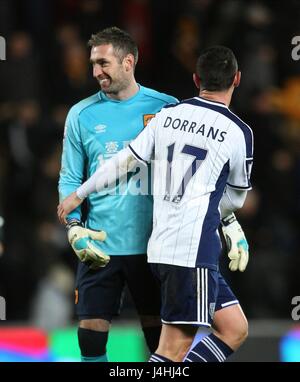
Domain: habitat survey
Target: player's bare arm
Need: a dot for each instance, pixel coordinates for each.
(67, 205)
(112, 169)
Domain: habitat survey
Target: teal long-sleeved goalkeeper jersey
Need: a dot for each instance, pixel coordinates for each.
(96, 129)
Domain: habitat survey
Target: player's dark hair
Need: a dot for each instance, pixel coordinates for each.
(216, 67)
(121, 41)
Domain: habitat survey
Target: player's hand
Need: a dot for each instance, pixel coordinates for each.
(85, 243)
(68, 205)
(237, 245)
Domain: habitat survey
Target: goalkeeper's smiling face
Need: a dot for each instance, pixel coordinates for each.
(113, 74)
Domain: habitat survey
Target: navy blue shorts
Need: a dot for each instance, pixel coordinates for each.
(99, 293)
(191, 295)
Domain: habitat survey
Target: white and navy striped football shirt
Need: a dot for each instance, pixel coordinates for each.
(200, 147)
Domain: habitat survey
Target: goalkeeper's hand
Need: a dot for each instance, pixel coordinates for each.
(85, 243)
(237, 245)
(66, 206)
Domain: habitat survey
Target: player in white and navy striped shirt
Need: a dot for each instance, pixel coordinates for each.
(200, 147)
(203, 156)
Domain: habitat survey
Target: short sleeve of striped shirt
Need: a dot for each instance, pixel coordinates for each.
(242, 160)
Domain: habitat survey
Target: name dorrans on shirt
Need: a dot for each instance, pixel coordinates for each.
(200, 147)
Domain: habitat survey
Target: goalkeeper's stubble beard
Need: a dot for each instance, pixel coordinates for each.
(110, 86)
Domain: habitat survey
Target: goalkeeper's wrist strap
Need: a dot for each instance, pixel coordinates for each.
(73, 222)
(228, 220)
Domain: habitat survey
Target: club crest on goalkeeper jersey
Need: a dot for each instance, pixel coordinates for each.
(96, 129)
(200, 147)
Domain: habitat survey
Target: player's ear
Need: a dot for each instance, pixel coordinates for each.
(237, 79)
(128, 62)
(196, 80)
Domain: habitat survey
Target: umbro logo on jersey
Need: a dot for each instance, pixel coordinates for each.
(100, 129)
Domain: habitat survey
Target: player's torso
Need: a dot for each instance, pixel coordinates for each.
(192, 149)
(106, 128)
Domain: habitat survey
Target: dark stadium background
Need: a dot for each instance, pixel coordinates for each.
(47, 70)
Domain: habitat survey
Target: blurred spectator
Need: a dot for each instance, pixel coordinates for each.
(72, 80)
(52, 305)
(20, 73)
(6, 17)
(179, 66)
(137, 20)
(76, 79)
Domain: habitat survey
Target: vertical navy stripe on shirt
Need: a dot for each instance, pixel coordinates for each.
(210, 245)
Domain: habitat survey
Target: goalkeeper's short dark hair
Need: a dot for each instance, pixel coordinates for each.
(121, 41)
(216, 68)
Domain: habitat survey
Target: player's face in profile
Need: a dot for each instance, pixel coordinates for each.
(108, 70)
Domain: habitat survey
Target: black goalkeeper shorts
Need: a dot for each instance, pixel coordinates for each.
(99, 293)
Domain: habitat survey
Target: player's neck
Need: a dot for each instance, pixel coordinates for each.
(126, 93)
(223, 97)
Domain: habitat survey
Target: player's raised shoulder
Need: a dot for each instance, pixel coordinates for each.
(242, 124)
(246, 129)
(165, 98)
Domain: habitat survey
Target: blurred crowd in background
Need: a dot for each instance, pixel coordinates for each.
(47, 70)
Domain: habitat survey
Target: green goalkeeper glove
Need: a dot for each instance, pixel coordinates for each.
(238, 248)
(84, 242)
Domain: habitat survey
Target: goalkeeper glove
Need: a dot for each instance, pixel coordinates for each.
(238, 248)
(84, 243)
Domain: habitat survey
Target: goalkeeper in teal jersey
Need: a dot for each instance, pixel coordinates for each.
(96, 129)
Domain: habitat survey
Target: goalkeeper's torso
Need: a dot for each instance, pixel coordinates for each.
(104, 127)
